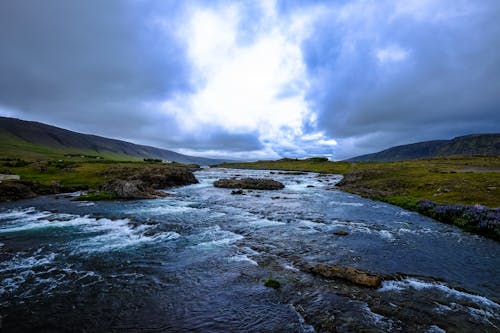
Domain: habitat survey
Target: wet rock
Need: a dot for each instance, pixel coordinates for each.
(237, 192)
(295, 173)
(249, 183)
(128, 189)
(11, 190)
(350, 274)
(341, 233)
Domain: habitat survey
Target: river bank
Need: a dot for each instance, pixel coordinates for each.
(465, 188)
(102, 181)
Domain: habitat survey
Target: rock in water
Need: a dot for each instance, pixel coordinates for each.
(250, 183)
(341, 233)
(350, 274)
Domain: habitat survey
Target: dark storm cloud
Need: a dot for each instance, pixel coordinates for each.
(377, 75)
(88, 64)
(444, 81)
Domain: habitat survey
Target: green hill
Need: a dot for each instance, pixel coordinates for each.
(474, 144)
(33, 141)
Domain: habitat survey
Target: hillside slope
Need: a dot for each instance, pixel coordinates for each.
(20, 138)
(474, 144)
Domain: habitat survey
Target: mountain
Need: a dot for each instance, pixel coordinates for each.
(474, 144)
(20, 138)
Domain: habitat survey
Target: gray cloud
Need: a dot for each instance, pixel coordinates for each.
(448, 84)
(104, 67)
(88, 64)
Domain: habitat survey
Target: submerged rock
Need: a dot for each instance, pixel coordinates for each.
(350, 274)
(341, 233)
(237, 192)
(250, 183)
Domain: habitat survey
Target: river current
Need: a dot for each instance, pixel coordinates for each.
(196, 261)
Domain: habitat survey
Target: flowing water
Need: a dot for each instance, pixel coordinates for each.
(196, 261)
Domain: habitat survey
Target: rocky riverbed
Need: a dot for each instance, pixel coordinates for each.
(203, 260)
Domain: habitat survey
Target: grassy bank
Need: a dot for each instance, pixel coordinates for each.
(446, 181)
(80, 172)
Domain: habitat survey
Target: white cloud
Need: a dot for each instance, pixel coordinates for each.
(330, 142)
(257, 86)
(392, 53)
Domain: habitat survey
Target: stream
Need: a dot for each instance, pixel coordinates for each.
(196, 261)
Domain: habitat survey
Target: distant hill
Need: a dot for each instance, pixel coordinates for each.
(474, 144)
(24, 139)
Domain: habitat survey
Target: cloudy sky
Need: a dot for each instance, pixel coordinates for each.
(255, 79)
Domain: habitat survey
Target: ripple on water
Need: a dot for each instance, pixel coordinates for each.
(38, 274)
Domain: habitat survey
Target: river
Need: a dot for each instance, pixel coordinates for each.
(196, 261)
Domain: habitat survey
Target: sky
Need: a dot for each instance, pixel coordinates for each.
(255, 79)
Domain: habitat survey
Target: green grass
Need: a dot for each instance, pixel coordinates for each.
(288, 164)
(79, 174)
(14, 147)
(270, 283)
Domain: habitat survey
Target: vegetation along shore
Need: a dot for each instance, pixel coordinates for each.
(102, 180)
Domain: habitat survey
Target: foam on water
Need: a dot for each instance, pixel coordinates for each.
(304, 326)
(164, 210)
(31, 223)
(216, 237)
(265, 223)
(386, 234)
(21, 268)
(19, 262)
(290, 267)
(415, 284)
(365, 228)
(14, 216)
(86, 204)
(352, 204)
(377, 319)
(118, 234)
(105, 234)
(243, 258)
(435, 329)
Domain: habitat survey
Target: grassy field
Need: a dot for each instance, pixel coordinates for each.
(74, 174)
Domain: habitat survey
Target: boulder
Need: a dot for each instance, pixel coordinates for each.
(350, 274)
(250, 183)
(128, 189)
